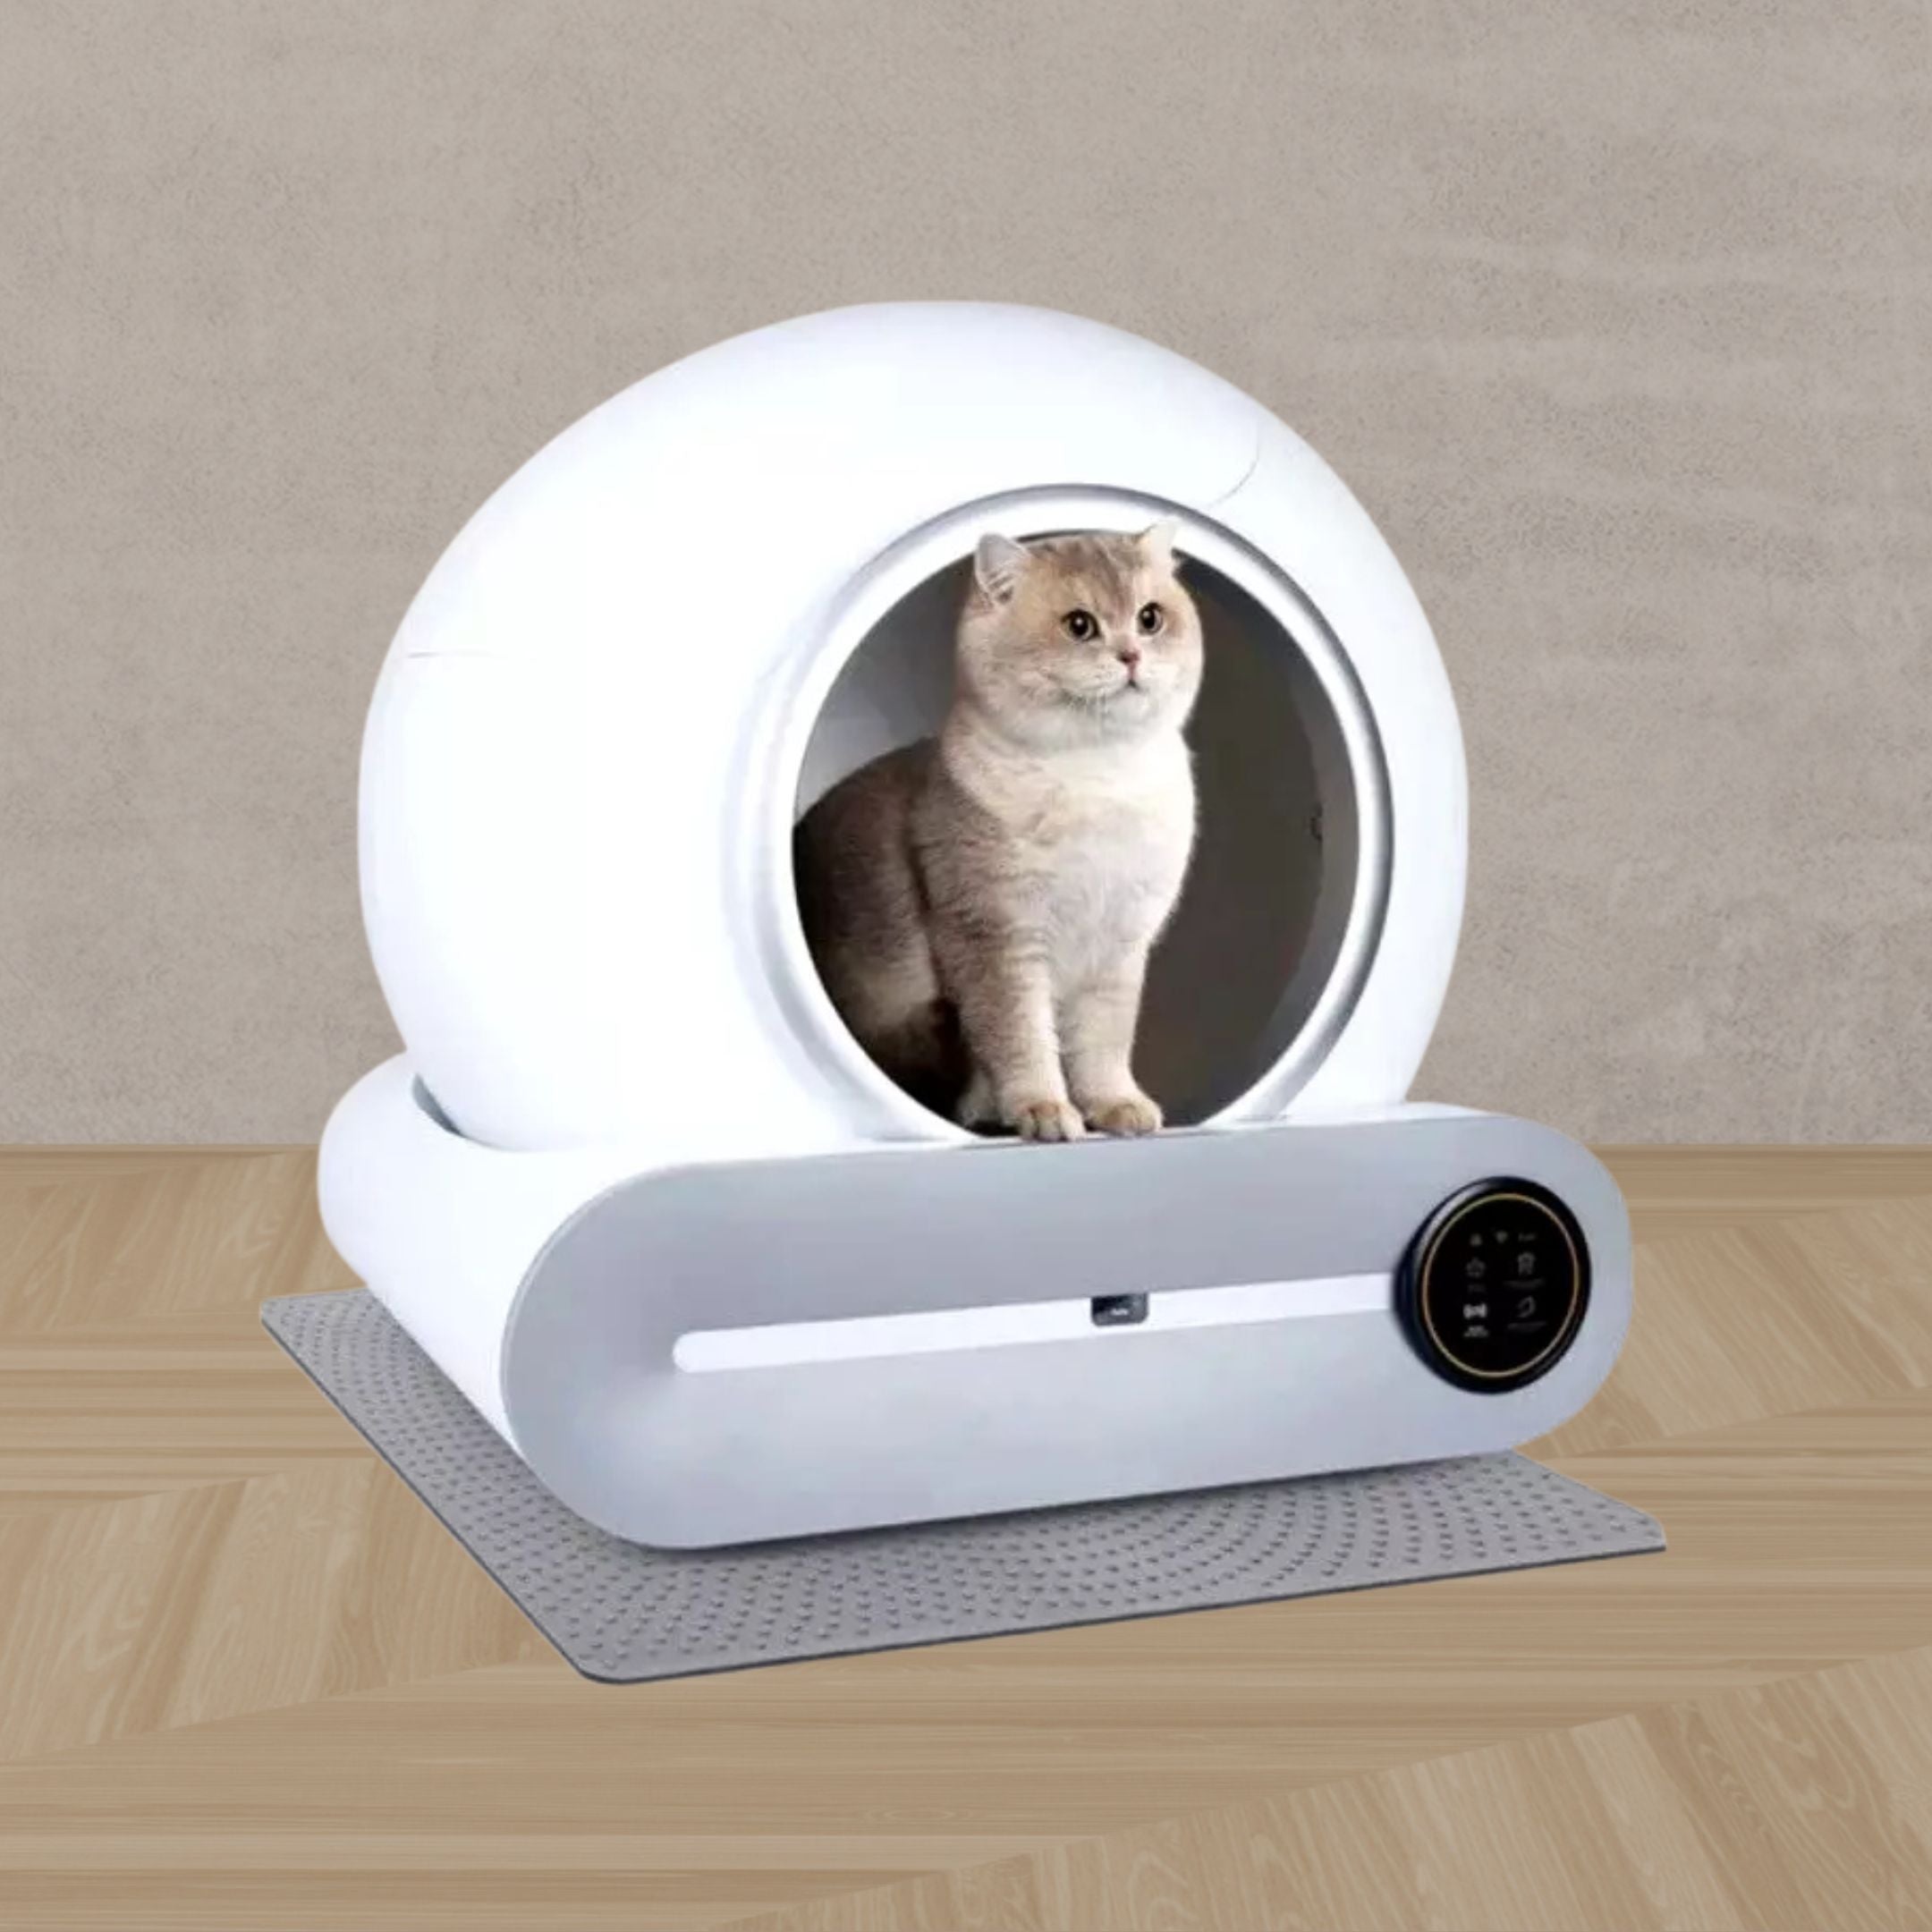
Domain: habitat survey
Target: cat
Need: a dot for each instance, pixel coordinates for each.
(980, 906)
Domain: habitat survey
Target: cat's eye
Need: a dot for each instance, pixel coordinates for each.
(1149, 617)
(1080, 625)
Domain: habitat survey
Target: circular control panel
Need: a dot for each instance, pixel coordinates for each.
(1494, 1286)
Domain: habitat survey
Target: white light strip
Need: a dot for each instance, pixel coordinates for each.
(854, 1338)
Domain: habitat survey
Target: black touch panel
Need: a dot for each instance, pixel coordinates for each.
(1494, 1286)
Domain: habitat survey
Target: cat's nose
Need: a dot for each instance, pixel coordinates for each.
(1130, 655)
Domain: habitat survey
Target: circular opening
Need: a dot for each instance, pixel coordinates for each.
(1261, 962)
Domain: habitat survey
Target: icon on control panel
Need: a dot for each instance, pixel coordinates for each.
(1525, 1261)
(1526, 1304)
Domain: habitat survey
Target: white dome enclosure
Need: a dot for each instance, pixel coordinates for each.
(645, 1198)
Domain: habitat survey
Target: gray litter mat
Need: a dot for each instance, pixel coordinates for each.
(625, 1613)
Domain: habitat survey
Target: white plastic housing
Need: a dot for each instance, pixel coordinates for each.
(587, 743)
(694, 1355)
(600, 719)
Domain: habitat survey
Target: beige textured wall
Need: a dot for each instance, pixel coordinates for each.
(1618, 317)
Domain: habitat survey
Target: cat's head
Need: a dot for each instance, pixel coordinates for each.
(1081, 639)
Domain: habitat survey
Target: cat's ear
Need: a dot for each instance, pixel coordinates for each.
(1157, 542)
(997, 561)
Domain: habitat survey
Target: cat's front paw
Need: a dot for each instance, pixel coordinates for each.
(1125, 1114)
(1045, 1120)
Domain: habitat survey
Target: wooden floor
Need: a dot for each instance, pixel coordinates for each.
(246, 1680)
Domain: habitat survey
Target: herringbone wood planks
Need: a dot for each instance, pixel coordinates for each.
(247, 1682)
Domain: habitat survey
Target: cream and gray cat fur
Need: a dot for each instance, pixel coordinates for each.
(981, 905)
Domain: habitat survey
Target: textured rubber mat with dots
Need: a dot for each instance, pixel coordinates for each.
(626, 1614)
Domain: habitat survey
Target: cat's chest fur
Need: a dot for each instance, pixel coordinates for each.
(1092, 847)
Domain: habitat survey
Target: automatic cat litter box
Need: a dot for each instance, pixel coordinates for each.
(642, 1198)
